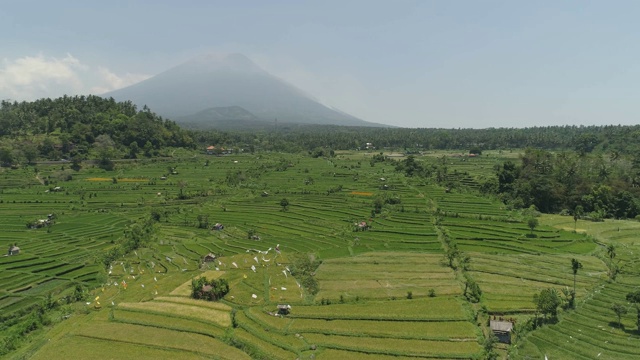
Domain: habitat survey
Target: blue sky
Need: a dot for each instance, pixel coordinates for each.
(422, 63)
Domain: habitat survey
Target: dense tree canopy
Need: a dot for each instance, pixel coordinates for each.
(547, 302)
(212, 290)
(594, 186)
(80, 126)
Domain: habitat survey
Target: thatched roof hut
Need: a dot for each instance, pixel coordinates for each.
(284, 309)
(13, 250)
(502, 330)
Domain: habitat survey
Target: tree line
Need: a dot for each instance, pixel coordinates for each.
(597, 186)
(586, 170)
(68, 126)
(293, 138)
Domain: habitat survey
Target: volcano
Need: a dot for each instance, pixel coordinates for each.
(229, 81)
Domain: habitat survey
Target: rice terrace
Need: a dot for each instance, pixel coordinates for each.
(276, 248)
(384, 292)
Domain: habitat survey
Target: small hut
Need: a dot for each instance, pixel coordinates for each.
(284, 309)
(217, 226)
(209, 257)
(502, 330)
(13, 250)
(361, 226)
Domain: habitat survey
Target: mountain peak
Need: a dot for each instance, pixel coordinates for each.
(225, 80)
(213, 62)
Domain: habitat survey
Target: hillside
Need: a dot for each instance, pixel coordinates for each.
(223, 118)
(83, 127)
(127, 243)
(212, 81)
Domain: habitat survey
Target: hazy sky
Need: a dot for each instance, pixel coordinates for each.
(444, 63)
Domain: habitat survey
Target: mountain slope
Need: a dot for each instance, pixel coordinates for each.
(233, 80)
(223, 118)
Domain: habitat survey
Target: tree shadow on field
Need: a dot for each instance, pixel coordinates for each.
(630, 331)
(614, 324)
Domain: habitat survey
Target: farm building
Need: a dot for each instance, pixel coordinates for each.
(502, 330)
(13, 250)
(37, 224)
(217, 226)
(209, 257)
(212, 150)
(361, 226)
(284, 309)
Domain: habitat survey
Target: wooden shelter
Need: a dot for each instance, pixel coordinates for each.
(217, 226)
(502, 330)
(13, 250)
(209, 257)
(284, 309)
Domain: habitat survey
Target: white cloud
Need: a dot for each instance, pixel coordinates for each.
(34, 77)
(111, 81)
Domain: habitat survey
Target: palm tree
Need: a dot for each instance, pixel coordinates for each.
(611, 251)
(620, 310)
(577, 214)
(533, 223)
(284, 203)
(575, 266)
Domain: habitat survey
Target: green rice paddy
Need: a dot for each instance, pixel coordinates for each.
(383, 293)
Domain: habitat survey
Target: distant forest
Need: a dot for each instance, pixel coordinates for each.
(591, 171)
(83, 127)
(69, 126)
(291, 138)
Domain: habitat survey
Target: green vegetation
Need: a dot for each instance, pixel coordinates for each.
(213, 290)
(319, 252)
(547, 303)
(83, 127)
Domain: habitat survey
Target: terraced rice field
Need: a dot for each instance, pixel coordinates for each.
(386, 276)
(509, 282)
(384, 293)
(592, 331)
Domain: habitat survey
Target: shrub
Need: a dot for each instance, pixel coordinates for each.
(209, 290)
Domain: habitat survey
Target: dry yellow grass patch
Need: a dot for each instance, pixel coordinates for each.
(119, 179)
(79, 347)
(362, 193)
(158, 338)
(220, 317)
(194, 302)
